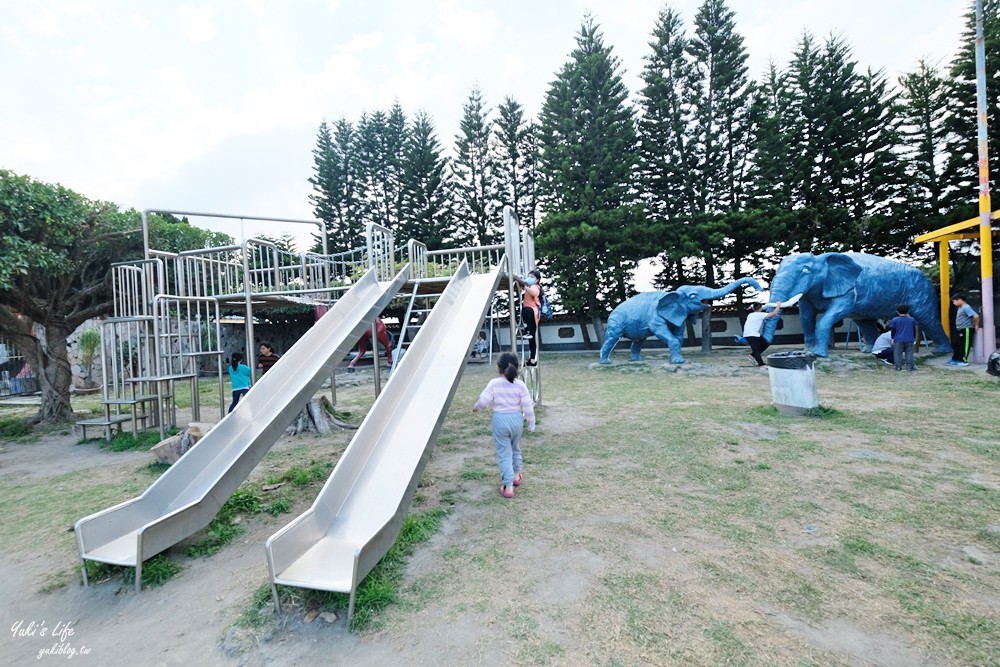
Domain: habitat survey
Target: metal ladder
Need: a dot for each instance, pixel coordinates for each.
(407, 329)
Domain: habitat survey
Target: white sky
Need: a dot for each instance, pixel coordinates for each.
(215, 106)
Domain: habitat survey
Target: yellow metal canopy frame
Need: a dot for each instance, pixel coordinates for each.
(967, 229)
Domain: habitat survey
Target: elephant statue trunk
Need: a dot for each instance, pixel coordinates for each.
(661, 314)
(733, 286)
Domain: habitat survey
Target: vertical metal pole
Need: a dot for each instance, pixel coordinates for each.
(248, 317)
(145, 235)
(988, 344)
(375, 363)
(943, 260)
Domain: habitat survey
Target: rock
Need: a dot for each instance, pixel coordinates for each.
(329, 617)
(169, 450)
(310, 616)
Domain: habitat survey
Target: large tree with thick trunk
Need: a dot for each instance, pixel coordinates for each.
(55, 272)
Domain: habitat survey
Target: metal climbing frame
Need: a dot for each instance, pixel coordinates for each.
(165, 325)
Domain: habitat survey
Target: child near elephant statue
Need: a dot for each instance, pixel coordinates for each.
(966, 323)
(752, 327)
(904, 337)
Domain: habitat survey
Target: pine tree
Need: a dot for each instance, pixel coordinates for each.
(381, 145)
(515, 161)
(476, 200)
(591, 236)
(666, 154)
(923, 109)
(335, 199)
(961, 172)
(425, 215)
(723, 93)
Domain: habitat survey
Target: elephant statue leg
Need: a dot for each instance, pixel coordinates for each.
(636, 349)
(869, 332)
(824, 328)
(611, 337)
(664, 333)
(807, 319)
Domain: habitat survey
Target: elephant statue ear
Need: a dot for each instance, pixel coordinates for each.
(671, 308)
(841, 275)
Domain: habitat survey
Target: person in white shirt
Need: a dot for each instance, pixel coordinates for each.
(882, 348)
(752, 327)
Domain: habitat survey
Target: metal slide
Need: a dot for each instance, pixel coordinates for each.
(189, 494)
(359, 512)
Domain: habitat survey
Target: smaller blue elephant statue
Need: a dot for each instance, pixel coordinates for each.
(661, 314)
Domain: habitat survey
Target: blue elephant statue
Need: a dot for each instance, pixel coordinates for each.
(661, 314)
(863, 287)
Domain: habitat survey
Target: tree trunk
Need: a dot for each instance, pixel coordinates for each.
(706, 330)
(44, 348)
(598, 328)
(317, 417)
(586, 334)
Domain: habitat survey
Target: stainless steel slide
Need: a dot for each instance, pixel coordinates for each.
(360, 510)
(189, 494)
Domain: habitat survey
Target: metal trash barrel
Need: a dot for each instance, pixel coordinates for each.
(793, 382)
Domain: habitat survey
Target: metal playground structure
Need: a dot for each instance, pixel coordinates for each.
(166, 319)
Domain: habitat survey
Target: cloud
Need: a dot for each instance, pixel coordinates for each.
(473, 30)
(359, 43)
(409, 51)
(196, 22)
(42, 20)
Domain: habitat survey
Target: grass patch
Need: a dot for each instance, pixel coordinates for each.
(14, 428)
(156, 467)
(299, 476)
(126, 442)
(155, 572)
(822, 412)
(225, 526)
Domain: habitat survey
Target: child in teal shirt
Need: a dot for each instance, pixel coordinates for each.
(239, 373)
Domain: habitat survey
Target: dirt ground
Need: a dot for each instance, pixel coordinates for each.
(544, 559)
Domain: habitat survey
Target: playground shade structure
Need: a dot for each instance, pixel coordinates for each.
(189, 494)
(359, 512)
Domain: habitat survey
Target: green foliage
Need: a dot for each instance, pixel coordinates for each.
(316, 472)
(473, 179)
(14, 427)
(278, 506)
(587, 140)
(224, 528)
(155, 572)
(58, 249)
(89, 342)
(125, 442)
(425, 213)
(516, 161)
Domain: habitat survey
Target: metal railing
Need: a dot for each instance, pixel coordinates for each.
(481, 259)
(381, 251)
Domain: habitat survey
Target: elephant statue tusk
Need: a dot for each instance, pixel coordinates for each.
(785, 304)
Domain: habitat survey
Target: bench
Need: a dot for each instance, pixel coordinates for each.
(108, 422)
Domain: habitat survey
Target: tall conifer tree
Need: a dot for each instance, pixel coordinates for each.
(426, 214)
(334, 187)
(476, 202)
(516, 161)
(590, 236)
